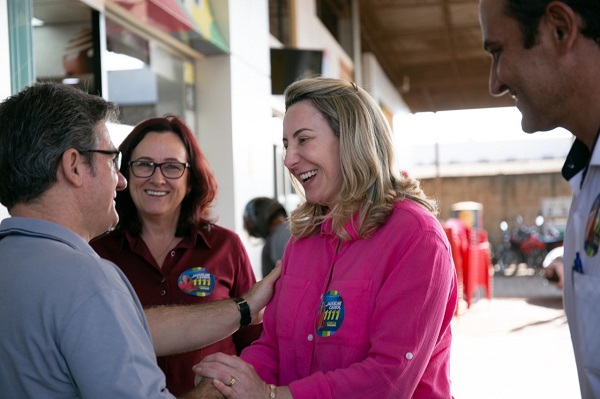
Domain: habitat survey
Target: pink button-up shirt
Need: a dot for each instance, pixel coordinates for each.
(396, 294)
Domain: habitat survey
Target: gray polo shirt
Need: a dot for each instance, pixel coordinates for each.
(71, 325)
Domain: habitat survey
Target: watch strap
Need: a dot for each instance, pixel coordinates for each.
(244, 309)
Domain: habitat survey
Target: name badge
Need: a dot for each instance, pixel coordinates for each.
(331, 314)
(197, 282)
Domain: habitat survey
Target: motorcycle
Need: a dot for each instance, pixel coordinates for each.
(524, 245)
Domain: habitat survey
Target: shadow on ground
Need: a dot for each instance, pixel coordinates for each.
(547, 302)
(532, 288)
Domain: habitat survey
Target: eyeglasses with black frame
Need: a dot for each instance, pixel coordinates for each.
(170, 170)
(117, 156)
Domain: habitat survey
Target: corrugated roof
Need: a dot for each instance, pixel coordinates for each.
(487, 168)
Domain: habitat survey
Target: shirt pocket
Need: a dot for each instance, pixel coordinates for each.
(292, 294)
(587, 297)
(355, 296)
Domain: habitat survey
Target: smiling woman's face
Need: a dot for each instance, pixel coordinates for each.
(157, 196)
(312, 153)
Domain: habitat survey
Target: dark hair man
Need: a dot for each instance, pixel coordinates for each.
(72, 325)
(546, 54)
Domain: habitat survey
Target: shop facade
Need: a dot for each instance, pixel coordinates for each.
(207, 61)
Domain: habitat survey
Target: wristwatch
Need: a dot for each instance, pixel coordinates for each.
(244, 309)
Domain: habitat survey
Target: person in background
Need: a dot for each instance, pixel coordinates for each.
(166, 236)
(546, 54)
(368, 287)
(266, 218)
(71, 325)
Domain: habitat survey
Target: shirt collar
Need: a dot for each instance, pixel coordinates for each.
(351, 227)
(578, 162)
(189, 241)
(34, 227)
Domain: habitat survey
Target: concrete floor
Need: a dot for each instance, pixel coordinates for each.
(516, 345)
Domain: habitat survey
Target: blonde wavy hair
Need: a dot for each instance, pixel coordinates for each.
(370, 184)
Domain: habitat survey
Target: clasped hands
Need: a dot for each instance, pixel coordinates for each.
(231, 376)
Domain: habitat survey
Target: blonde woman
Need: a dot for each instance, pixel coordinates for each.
(368, 289)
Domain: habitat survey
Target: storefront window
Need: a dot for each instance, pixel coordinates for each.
(144, 78)
(66, 44)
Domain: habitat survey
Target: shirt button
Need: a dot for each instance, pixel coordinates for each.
(163, 280)
(172, 253)
(163, 292)
(310, 337)
(409, 356)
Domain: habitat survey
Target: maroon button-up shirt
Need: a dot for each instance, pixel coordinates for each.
(216, 254)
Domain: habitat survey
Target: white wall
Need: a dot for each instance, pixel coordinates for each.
(376, 82)
(234, 99)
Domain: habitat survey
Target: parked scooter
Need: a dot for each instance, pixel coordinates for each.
(524, 245)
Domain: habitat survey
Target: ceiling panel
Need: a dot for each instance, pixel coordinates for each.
(435, 46)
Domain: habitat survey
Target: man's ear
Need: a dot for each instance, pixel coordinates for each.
(71, 167)
(564, 23)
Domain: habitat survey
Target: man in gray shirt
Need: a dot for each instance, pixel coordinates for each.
(71, 325)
